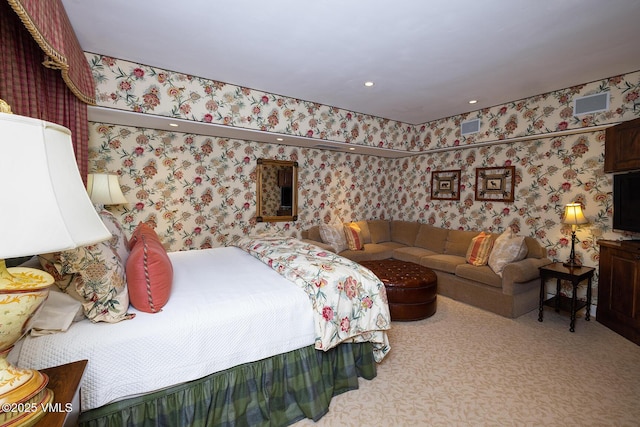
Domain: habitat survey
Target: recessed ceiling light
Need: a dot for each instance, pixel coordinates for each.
(173, 125)
(352, 148)
(473, 101)
(369, 84)
(279, 139)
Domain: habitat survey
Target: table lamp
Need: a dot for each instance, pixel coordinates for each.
(44, 208)
(573, 216)
(104, 189)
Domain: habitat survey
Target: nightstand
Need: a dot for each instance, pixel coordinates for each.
(64, 381)
(575, 275)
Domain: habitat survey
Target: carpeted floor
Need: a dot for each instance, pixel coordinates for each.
(468, 367)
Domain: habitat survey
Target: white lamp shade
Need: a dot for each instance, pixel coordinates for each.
(104, 189)
(573, 214)
(44, 206)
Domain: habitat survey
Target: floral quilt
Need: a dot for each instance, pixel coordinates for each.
(349, 301)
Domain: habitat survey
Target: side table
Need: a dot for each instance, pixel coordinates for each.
(64, 381)
(573, 274)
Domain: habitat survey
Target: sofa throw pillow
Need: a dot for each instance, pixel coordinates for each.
(479, 249)
(353, 236)
(149, 275)
(507, 248)
(333, 235)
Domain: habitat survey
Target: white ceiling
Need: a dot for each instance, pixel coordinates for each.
(427, 58)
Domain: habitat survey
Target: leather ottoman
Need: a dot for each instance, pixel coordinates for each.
(411, 288)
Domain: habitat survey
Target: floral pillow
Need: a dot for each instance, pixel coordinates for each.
(119, 240)
(95, 274)
(98, 281)
(507, 248)
(333, 235)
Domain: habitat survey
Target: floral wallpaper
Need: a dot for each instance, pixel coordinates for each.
(200, 191)
(270, 199)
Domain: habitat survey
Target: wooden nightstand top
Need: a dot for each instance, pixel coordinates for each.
(64, 381)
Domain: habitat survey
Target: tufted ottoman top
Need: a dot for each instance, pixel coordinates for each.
(393, 272)
(411, 288)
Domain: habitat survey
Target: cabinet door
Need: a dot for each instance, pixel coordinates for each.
(619, 292)
(622, 147)
(285, 178)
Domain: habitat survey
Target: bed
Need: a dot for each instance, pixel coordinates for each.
(261, 333)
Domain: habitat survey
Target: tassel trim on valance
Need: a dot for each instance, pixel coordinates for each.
(48, 24)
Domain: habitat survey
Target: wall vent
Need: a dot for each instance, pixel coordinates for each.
(470, 126)
(591, 104)
(327, 147)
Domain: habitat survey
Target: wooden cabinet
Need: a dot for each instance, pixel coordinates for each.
(619, 288)
(622, 147)
(285, 178)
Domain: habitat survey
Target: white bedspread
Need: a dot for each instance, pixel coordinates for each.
(226, 308)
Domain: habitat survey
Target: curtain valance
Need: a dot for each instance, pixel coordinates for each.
(48, 23)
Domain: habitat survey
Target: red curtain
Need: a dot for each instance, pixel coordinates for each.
(33, 90)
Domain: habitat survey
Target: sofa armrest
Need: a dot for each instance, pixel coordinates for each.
(521, 271)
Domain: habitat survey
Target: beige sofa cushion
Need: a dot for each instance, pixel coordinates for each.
(483, 274)
(458, 242)
(380, 230)
(404, 232)
(371, 251)
(534, 249)
(312, 233)
(411, 254)
(431, 238)
(441, 262)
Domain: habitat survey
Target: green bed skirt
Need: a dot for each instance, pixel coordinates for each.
(277, 391)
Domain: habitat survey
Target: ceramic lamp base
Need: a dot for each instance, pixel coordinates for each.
(25, 403)
(23, 393)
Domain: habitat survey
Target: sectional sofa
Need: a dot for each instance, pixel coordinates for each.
(511, 293)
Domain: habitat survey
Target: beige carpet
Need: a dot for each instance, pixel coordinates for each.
(468, 367)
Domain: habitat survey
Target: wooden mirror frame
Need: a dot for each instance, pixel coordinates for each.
(262, 171)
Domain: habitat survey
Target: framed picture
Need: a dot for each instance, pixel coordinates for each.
(495, 184)
(445, 185)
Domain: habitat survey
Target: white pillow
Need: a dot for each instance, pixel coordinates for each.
(333, 235)
(507, 248)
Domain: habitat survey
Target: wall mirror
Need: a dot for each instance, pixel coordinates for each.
(277, 190)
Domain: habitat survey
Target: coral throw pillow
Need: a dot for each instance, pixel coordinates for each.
(354, 237)
(149, 275)
(479, 249)
(143, 229)
(507, 248)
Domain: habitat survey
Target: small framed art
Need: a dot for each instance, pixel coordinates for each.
(445, 185)
(495, 184)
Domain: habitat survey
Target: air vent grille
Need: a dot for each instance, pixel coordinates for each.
(327, 147)
(470, 126)
(591, 104)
